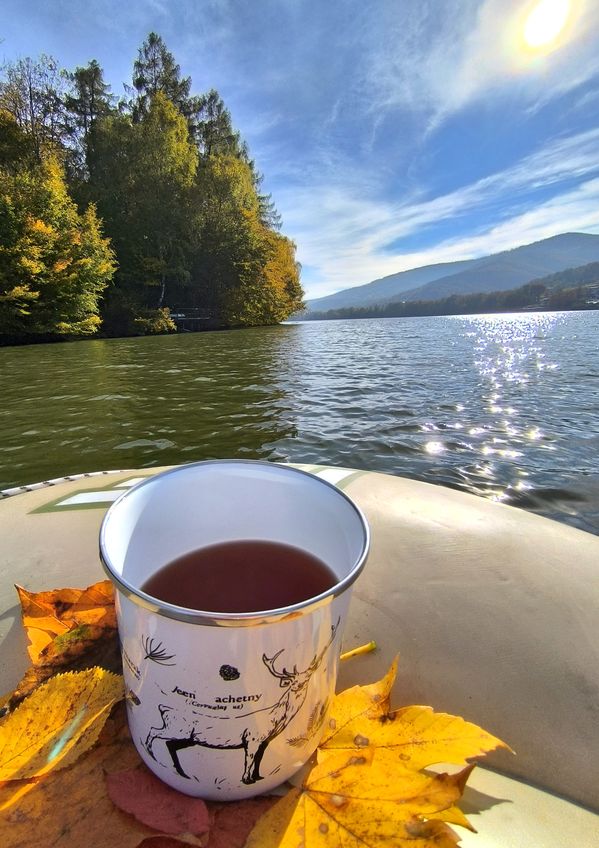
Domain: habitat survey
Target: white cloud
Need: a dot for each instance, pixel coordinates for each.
(344, 235)
(572, 211)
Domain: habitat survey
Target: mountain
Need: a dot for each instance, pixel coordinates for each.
(571, 277)
(386, 288)
(497, 272)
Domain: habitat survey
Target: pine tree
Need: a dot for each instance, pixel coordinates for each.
(88, 100)
(155, 71)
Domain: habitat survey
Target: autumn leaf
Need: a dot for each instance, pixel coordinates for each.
(367, 789)
(369, 701)
(161, 841)
(358, 800)
(70, 808)
(83, 647)
(152, 802)
(57, 723)
(69, 630)
(49, 614)
(233, 820)
(416, 736)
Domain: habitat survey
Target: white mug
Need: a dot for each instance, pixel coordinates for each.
(229, 705)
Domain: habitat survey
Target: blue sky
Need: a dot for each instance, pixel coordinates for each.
(392, 134)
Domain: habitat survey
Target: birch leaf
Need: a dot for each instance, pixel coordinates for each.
(83, 647)
(57, 723)
(70, 808)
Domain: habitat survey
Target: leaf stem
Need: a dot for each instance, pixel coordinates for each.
(356, 652)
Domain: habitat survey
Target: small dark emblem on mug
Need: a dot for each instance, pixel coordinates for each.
(228, 672)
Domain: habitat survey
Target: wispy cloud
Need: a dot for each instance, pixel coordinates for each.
(391, 134)
(438, 58)
(345, 237)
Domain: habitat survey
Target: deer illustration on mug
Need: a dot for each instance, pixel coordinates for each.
(231, 732)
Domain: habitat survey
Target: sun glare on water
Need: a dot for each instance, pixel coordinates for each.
(546, 22)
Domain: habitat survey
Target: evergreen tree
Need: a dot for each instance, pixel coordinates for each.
(88, 100)
(214, 132)
(155, 71)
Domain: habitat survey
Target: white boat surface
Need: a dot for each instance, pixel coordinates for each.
(494, 611)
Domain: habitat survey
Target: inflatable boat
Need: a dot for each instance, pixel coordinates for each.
(495, 612)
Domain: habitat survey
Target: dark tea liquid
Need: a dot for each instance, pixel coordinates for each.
(247, 576)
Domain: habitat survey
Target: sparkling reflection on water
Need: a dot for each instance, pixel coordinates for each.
(504, 406)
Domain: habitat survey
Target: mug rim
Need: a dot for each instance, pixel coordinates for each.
(231, 619)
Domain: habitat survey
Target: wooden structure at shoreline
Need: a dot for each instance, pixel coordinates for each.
(192, 319)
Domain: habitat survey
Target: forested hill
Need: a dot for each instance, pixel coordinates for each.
(113, 213)
(496, 272)
(574, 288)
(571, 277)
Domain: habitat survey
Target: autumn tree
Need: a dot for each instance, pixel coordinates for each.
(143, 173)
(16, 147)
(177, 192)
(54, 262)
(245, 273)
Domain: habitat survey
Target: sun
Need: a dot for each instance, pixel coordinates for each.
(546, 22)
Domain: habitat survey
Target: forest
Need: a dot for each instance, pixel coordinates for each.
(115, 213)
(566, 290)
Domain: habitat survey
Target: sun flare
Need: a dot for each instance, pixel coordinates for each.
(546, 22)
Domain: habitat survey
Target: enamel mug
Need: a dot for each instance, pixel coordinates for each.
(228, 705)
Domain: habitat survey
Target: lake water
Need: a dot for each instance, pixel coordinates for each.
(504, 406)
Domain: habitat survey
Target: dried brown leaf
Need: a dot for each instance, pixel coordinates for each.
(138, 792)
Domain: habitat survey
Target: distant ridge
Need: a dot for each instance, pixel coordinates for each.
(386, 288)
(496, 272)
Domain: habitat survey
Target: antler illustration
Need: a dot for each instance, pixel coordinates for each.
(269, 662)
(318, 659)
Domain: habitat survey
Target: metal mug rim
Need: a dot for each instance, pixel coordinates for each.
(224, 619)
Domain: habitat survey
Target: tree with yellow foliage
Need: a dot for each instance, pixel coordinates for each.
(54, 262)
(245, 273)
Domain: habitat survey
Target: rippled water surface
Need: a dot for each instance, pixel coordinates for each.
(505, 406)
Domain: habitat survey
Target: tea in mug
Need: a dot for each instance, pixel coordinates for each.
(241, 577)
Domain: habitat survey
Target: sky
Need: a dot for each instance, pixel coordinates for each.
(391, 134)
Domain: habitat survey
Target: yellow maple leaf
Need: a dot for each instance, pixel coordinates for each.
(57, 723)
(367, 789)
